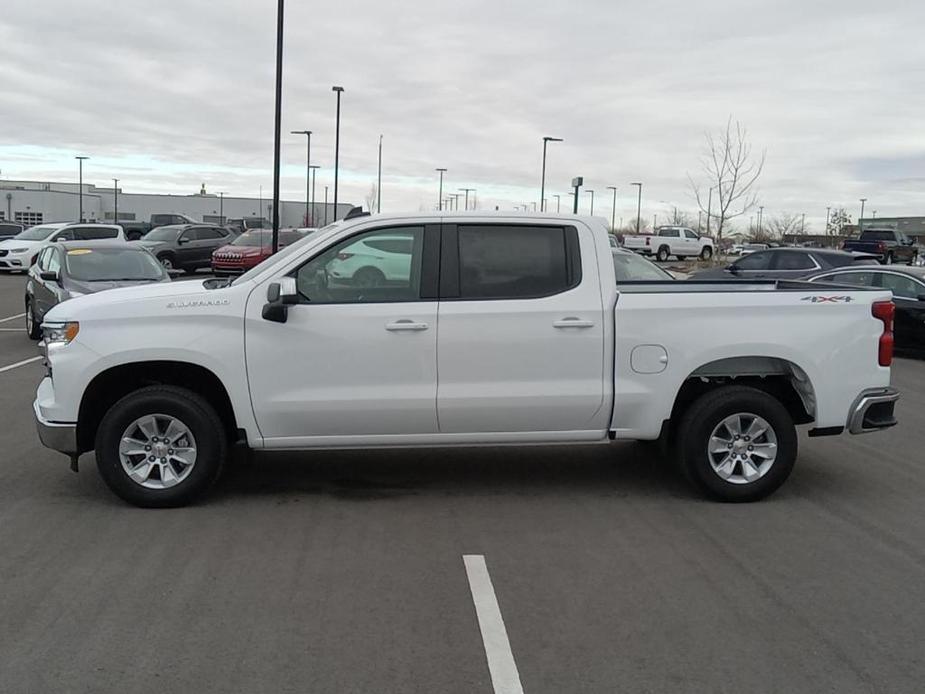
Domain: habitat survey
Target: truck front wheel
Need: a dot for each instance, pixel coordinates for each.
(160, 446)
(737, 443)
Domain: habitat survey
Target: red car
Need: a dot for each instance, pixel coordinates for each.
(251, 248)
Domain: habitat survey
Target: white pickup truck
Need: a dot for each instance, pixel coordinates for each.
(680, 242)
(496, 329)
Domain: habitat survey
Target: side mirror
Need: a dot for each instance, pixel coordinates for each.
(181, 240)
(280, 296)
(49, 276)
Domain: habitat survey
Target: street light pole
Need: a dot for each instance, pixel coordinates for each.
(803, 225)
(221, 206)
(827, 210)
(278, 124)
(760, 213)
(546, 140)
(863, 200)
(440, 194)
(588, 190)
(379, 183)
(80, 188)
(308, 167)
(326, 206)
(558, 203)
(467, 191)
(314, 168)
(339, 90)
(613, 210)
(115, 201)
(639, 206)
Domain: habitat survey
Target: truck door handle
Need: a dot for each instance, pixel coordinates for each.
(572, 322)
(405, 324)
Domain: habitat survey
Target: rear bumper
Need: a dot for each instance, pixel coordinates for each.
(873, 410)
(58, 436)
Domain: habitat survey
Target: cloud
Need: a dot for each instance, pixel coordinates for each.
(167, 95)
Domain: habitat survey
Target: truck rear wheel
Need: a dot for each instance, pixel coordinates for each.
(706, 253)
(160, 447)
(662, 254)
(737, 443)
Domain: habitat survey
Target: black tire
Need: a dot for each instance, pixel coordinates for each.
(662, 254)
(33, 325)
(706, 414)
(913, 258)
(195, 412)
(368, 277)
(167, 261)
(706, 253)
(889, 258)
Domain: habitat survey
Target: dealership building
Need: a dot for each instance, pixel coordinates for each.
(38, 202)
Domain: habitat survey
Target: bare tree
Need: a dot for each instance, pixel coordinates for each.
(371, 198)
(837, 220)
(784, 223)
(679, 218)
(732, 171)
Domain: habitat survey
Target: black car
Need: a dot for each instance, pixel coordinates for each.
(66, 269)
(9, 229)
(908, 287)
(785, 263)
(186, 246)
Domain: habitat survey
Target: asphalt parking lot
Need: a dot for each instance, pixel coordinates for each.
(344, 571)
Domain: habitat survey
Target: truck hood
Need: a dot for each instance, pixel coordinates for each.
(187, 297)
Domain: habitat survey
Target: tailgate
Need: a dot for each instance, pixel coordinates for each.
(635, 241)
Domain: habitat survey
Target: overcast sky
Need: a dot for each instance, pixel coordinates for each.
(167, 95)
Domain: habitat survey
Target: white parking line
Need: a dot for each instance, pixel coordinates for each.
(504, 676)
(18, 315)
(19, 363)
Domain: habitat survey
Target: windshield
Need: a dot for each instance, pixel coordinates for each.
(630, 267)
(111, 264)
(162, 234)
(283, 253)
(36, 233)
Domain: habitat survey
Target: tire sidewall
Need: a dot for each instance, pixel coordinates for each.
(189, 409)
(699, 426)
(662, 254)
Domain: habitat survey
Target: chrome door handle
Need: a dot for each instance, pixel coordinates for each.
(405, 324)
(573, 323)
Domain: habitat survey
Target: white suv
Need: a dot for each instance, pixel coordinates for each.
(373, 262)
(20, 252)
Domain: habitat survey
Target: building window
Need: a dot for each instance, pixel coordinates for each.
(2, 216)
(29, 218)
(212, 219)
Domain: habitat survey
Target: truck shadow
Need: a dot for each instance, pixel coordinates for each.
(624, 469)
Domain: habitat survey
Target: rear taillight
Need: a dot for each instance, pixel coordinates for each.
(881, 246)
(885, 311)
(344, 256)
(647, 240)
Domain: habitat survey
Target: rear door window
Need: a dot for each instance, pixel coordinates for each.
(754, 261)
(93, 233)
(861, 279)
(516, 262)
(903, 287)
(790, 260)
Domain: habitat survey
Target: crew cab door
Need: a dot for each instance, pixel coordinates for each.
(355, 361)
(521, 341)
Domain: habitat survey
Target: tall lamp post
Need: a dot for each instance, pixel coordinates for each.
(80, 188)
(379, 183)
(588, 190)
(827, 211)
(314, 168)
(115, 201)
(613, 210)
(440, 194)
(308, 167)
(863, 200)
(639, 207)
(760, 213)
(326, 206)
(546, 140)
(558, 203)
(339, 90)
(221, 206)
(467, 191)
(278, 124)
(803, 225)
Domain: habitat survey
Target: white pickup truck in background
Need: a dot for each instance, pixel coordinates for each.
(499, 329)
(680, 242)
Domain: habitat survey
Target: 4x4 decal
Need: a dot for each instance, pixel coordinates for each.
(818, 299)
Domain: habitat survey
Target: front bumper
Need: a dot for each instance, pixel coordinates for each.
(873, 410)
(58, 436)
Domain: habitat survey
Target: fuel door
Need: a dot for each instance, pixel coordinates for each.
(648, 359)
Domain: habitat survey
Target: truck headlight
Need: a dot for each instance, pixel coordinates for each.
(60, 333)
